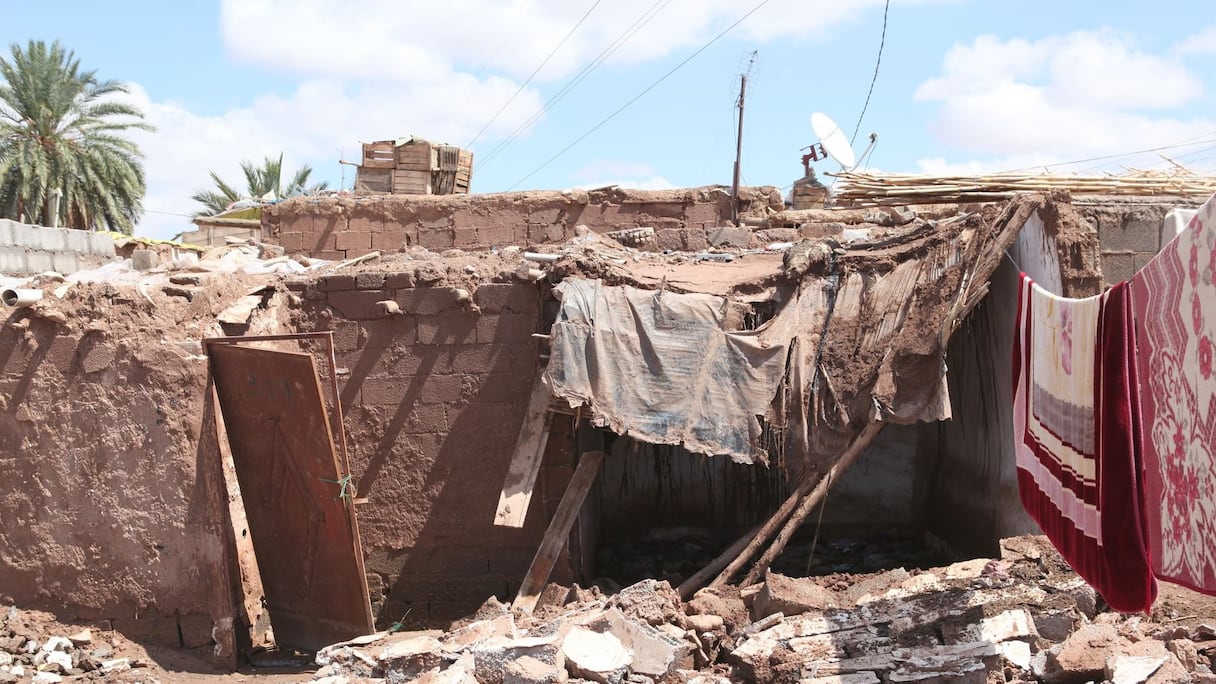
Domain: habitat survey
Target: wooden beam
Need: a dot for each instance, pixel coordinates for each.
(559, 531)
(754, 540)
(525, 464)
(690, 586)
(855, 449)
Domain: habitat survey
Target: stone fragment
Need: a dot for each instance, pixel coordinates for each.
(781, 594)
(652, 601)
(1011, 624)
(704, 623)
(853, 678)
(1126, 669)
(58, 661)
(655, 654)
(529, 670)
(1083, 655)
(1016, 652)
(600, 657)
(45, 677)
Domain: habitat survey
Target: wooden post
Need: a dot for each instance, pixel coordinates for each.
(761, 537)
(690, 586)
(558, 532)
(525, 464)
(858, 445)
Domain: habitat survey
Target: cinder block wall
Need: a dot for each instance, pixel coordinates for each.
(1128, 234)
(434, 399)
(28, 250)
(346, 228)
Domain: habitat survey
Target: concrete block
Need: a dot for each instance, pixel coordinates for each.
(101, 245)
(77, 241)
(65, 262)
(6, 232)
(38, 262)
(1117, 267)
(12, 260)
(49, 239)
(144, 259)
(730, 236)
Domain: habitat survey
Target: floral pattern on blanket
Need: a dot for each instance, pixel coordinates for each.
(1176, 313)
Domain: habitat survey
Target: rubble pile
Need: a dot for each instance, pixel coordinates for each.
(28, 653)
(1021, 618)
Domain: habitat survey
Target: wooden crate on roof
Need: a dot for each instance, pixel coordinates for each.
(373, 181)
(416, 155)
(379, 155)
(407, 182)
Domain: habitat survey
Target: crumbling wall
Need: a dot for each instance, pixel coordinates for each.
(350, 227)
(110, 510)
(434, 398)
(27, 250)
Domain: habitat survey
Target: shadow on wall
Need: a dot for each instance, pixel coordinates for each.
(110, 514)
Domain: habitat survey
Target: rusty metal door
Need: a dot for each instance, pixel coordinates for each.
(298, 506)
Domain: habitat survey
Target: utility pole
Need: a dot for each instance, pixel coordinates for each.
(734, 186)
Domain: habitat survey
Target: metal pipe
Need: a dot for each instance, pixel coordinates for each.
(542, 258)
(20, 296)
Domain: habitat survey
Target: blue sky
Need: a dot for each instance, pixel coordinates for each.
(964, 86)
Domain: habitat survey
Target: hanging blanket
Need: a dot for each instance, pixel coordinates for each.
(1075, 424)
(1174, 300)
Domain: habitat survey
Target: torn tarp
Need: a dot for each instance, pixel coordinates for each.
(663, 367)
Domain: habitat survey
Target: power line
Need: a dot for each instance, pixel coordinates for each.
(578, 78)
(1197, 140)
(877, 63)
(639, 96)
(535, 72)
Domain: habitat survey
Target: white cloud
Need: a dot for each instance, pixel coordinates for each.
(1203, 42)
(1081, 95)
(413, 40)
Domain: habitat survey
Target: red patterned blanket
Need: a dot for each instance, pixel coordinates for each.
(1075, 424)
(1174, 303)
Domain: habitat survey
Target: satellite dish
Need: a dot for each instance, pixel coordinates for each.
(833, 140)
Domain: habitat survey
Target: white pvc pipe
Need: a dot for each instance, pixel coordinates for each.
(542, 258)
(20, 296)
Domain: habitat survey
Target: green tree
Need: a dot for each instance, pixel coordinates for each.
(260, 181)
(63, 132)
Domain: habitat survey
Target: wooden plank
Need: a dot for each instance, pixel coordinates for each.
(378, 155)
(525, 464)
(559, 531)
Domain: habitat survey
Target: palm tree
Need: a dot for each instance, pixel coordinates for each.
(62, 133)
(265, 181)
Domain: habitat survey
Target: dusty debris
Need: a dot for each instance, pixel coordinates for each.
(975, 621)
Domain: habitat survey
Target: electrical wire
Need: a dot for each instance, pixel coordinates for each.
(639, 96)
(534, 72)
(578, 78)
(877, 63)
(1197, 140)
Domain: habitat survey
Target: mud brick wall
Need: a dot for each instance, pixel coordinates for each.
(434, 399)
(350, 227)
(109, 511)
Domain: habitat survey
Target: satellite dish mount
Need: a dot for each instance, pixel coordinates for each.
(833, 145)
